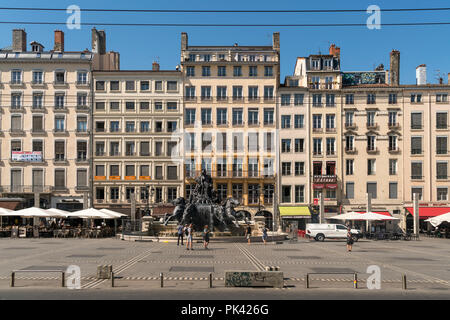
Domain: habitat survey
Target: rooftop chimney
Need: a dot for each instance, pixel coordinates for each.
(19, 40)
(421, 74)
(449, 78)
(59, 41)
(276, 41)
(184, 41)
(155, 66)
(98, 41)
(395, 68)
(335, 51)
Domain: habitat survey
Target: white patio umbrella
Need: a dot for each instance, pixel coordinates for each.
(32, 212)
(113, 213)
(5, 213)
(58, 213)
(436, 221)
(90, 213)
(347, 216)
(369, 216)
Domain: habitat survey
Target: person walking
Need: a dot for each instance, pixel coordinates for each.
(248, 233)
(206, 237)
(264, 234)
(189, 232)
(349, 240)
(180, 234)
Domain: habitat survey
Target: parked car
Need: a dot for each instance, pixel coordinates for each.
(320, 231)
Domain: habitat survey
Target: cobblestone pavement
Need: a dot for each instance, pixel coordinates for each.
(426, 263)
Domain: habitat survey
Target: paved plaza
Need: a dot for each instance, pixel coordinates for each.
(137, 267)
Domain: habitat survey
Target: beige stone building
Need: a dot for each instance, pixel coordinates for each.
(136, 149)
(45, 97)
(230, 120)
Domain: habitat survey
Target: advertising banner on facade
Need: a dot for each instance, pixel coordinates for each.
(27, 156)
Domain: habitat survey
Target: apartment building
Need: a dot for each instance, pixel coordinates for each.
(373, 139)
(294, 179)
(230, 121)
(321, 75)
(136, 148)
(46, 97)
(426, 141)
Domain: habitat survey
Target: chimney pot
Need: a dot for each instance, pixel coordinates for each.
(395, 68)
(155, 66)
(59, 41)
(19, 40)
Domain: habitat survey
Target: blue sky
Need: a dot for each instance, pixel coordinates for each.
(361, 48)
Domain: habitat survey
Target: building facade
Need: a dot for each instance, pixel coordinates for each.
(230, 121)
(46, 99)
(136, 119)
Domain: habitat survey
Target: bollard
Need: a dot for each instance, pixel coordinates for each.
(404, 282)
(355, 281)
(162, 279)
(112, 279)
(63, 279)
(12, 278)
(307, 281)
(210, 280)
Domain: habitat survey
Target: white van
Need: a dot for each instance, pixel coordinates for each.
(320, 231)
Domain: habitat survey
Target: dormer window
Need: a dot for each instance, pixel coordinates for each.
(36, 47)
(327, 63)
(315, 64)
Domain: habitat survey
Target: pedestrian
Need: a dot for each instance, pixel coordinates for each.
(349, 240)
(180, 234)
(206, 237)
(189, 232)
(248, 233)
(264, 235)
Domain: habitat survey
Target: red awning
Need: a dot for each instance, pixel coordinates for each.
(429, 212)
(318, 186)
(331, 186)
(384, 213)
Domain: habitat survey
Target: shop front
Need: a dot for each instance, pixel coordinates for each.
(299, 216)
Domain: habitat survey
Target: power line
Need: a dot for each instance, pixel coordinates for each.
(227, 11)
(226, 25)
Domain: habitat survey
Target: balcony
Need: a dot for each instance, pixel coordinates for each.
(16, 132)
(190, 98)
(331, 130)
(234, 174)
(350, 126)
(60, 132)
(350, 150)
(37, 109)
(38, 131)
(317, 130)
(82, 107)
(394, 150)
(416, 177)
(371, 150)
(16, 108)
(416, 151)
(206, 98)
(332, 178)
(269, 99)
(372, 125)
(331, 152)
(394, 126)
(27, 189)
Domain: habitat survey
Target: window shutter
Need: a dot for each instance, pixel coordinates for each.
(82, 178)
(60, 180)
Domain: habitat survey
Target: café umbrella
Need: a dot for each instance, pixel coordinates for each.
(90, 213)
(436, 221)
(58, 213)
(5, 213)
(347, 216)
(32, 212)
(113, 213)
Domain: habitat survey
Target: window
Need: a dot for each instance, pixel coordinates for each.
(268, 71)
(100, 106)
(100, 148)
(286, 168)
(416, 120)
(206, 92)
(100, 193)
(237, 116)
(172, 85)
(237, 71)
(252, 71)
(158, 126)
(317, 122)
(144, 148)
(416, 98)
(442, 194)
(268, 116)
(371, 166)
(100, 85)
(285, 122)
(392, 143)
(190, 93)
(253, 141)
(145, 85)
(16, 76)
(349, 167)
(81, 150)
(298, 99)
(285, 99)
(82, 100)
(350, 190)
(221, 93)
(114, 106)
(158, 172)
(299, 168)
(129, 85)
(372, 189)
(441, 120)
(418, 191)
(171, 126)
(130, 105)
(59, 123)
(371, 143)
(60, 179)
(370, 118)
(299, 120)
(371, 98)
(392, 167)
(114, 170)
(190, 71)
(330, 100)
(416, 145)
(349, 143)
(38, 124)
(129, 193)
(416, 170)
(16, 101)
(238, 142)
(221, 116)
(60, 151)
(171, 194)
(221, 167)
(299, 145)
(331, 143)
(221, 142)
(317, 100)
(114, 86)
(237, 191)
(129, 126)
(38, 77)
(393, 189)
(82, 178)
(158, 148)
(114, 193)
(441, 97)
(114, 148)
(441, 145)
(189, 117)
(268, 193)
(59, 100)
(253, 117)
(349, 98)
(441, 169)
(252, 93)
(82, 124)
(206, 141)
(206, 71)
(269, 142)
(237, 92)
(330, 122)
(286, 194)
(158, 86)
(221, 71)
(285, 145)
(206, 165)
(392, 100)
(114, 126)
(317, 146)
(392, 118)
